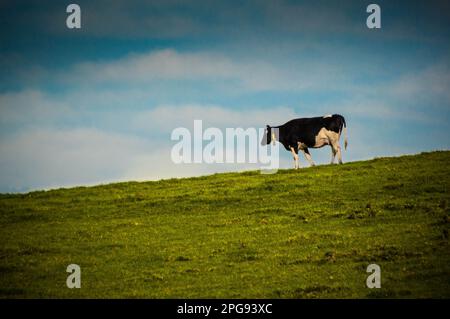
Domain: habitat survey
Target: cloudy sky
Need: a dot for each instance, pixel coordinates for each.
(98, 104)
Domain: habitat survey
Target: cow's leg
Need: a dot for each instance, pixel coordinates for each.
(308, 156)
(337, 151)
(333, 138)
(339, 154)
(295, 155)
(333, 154)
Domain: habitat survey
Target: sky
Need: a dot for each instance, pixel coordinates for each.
(98, 104)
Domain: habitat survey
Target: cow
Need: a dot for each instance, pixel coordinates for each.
(304, 133)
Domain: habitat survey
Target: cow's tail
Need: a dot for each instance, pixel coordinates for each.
(343, 127)
(345, 136)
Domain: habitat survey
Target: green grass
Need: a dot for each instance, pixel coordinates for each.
(296, 234)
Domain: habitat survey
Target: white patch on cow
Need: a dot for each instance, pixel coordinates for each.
(333, 137)
(273, 138)
(322, 138)
(328, 115)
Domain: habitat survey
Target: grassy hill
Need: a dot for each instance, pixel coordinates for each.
(295, 234)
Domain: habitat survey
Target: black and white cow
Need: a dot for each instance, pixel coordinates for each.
(304, 133)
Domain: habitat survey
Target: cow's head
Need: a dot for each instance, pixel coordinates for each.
(268, 136)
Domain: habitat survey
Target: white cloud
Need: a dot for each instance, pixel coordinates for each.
(168, 69)
(239, 74)
(48, 158)
(167, 117)
(425, 85)
(31, 107)
(163, 64)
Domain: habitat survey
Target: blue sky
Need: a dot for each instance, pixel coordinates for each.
(96, 105)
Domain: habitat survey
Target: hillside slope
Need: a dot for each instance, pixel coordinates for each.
(295, 234)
